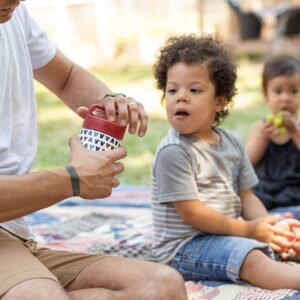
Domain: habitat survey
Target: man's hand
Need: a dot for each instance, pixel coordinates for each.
(96, 169)
(125, 111)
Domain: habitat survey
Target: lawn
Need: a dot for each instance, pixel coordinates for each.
(57, 123)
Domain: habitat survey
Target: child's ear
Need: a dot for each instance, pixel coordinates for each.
(220, 103)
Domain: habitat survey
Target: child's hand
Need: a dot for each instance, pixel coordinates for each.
(269, 130)
(295, 248)
(294, 226)
(277, 122)
(278, 238)
(289, 122)
(288, 215)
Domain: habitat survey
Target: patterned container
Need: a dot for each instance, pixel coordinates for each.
(98, 134)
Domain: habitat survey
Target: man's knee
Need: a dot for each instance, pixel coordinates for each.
(36, 289)
(171, 284)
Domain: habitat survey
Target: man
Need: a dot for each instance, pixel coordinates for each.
(27, 272)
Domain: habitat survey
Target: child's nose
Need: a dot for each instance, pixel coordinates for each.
(182, 96)
(286, 96)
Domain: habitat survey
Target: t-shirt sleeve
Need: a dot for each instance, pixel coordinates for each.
(174, 173)
(40, 48)
(247, 177)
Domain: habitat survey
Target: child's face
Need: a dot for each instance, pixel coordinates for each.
(191, 103)
(283, 93)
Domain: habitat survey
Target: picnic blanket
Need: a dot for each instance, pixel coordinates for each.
(121, 225)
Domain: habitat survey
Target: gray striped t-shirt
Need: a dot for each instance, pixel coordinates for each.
(186, 168)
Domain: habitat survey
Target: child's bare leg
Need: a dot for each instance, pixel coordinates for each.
(261, 271)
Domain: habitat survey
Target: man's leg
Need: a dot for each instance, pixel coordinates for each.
(37, 289)
(23, 276)
(123, 278)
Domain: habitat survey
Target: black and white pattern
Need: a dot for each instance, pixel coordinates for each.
(97, 141)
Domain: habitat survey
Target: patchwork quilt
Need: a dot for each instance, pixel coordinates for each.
(121, 225)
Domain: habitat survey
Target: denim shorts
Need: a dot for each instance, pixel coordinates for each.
(284, 209)
(215, 257)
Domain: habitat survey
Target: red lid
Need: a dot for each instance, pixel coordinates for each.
(99, 124)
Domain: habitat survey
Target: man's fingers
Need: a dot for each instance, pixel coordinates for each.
(143, 121)
(81, 111)
(75, 142)
(115, 182)
(110, 108)
(116, 154)
(133, 111)
(119, 168)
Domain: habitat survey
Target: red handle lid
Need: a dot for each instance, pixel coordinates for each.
(99, 124)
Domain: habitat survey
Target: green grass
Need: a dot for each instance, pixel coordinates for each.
(57, 123)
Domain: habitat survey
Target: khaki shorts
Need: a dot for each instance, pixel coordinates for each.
(22, 260)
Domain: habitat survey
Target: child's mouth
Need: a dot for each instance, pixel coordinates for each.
(181, 113)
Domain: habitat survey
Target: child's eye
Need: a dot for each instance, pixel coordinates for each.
(196, 91)
(277, 92)
(171, 91)
(294, 91)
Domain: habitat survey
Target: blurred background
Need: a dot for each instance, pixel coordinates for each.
(117, 40)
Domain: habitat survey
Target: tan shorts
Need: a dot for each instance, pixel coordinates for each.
(22, 260)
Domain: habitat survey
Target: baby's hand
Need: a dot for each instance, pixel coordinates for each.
(278, 237)
(278, 122)
(269, 130)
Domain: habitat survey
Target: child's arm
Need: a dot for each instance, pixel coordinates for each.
(291, 124)
(257, 140)
(207, 219)
(252, 207)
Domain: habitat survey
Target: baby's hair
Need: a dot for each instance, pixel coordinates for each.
(206, 50)
(282, 65)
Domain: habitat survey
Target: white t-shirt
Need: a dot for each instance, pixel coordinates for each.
(23, 47)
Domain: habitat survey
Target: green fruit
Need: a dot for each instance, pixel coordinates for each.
(278, 121)
(282, 130)
(270, 118)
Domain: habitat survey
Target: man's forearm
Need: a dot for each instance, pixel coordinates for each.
(82, 88)
(73, 84)
(24, 194)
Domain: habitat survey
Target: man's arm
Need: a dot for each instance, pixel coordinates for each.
(70, 82)
(23, 194)
(78, 88)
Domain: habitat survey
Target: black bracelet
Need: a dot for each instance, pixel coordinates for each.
(114, 95)
(74, 180)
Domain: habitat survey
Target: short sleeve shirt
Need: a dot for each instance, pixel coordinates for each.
(186, 168)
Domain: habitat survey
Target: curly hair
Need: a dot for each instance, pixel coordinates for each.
(281, 65)
(207, 50)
